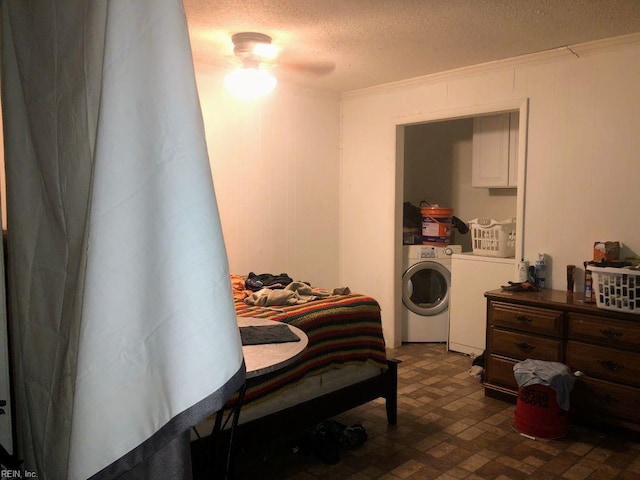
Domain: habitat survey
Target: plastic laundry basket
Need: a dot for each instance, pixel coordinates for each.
(492, 238)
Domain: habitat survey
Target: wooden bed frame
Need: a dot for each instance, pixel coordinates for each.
(295, 418)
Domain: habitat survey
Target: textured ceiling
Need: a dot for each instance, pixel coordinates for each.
(372, 42)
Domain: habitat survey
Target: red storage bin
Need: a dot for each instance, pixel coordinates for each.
(537, 413)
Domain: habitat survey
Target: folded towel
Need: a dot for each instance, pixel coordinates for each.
(262, 334)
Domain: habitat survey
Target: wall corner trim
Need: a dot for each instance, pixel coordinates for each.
(545, 56)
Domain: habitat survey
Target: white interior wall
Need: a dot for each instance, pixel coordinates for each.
(428, 164)
(275, 167)
(582, 164)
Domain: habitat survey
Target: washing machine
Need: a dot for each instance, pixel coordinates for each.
(426, 283)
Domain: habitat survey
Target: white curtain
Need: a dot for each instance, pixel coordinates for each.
(120, 302)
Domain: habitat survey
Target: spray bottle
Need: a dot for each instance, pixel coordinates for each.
(541, 271)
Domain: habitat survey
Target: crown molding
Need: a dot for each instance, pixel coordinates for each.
(545, 56)
(607, 44)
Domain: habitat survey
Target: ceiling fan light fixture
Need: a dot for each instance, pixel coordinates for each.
(266, 51)
(250, 83)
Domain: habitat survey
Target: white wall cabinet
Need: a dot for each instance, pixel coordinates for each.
(495, 151)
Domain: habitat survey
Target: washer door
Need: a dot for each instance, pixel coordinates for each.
(425, 288)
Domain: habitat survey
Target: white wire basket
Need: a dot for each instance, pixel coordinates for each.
(492, 238)
(617, 288)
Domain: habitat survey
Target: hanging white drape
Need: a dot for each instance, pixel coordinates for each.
(120, 298)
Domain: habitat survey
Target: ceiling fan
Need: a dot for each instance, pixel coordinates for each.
(256, 50)
(253, 48)
(257, 54)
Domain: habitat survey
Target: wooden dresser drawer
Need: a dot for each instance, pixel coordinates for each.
(604, 362)
(500, 372)
(604, 330)
(591, 397)
(522, 346)
(556, 326)
(529, 319)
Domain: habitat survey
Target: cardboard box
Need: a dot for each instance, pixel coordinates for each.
(606, 251)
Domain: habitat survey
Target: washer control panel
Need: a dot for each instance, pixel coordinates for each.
(432, 251)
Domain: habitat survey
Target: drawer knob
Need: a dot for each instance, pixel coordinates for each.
(611, 333)
(525, 347)
(523, 319)
(610, 365)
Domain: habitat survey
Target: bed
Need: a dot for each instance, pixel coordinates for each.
(344, 365)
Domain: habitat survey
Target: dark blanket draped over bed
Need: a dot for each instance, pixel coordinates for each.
(342, 330)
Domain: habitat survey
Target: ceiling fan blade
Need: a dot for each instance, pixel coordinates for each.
(317, 69)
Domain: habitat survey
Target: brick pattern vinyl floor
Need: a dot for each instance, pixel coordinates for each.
(447, 430)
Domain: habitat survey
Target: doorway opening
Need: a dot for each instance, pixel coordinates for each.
(435, 177)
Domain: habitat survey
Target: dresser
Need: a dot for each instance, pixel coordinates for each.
(555, 326)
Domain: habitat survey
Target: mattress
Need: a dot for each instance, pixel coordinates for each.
(310, 387)
(343, 330)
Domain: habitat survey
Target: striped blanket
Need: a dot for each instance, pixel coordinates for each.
(342, 330)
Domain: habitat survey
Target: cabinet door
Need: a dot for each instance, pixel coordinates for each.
(490, 162)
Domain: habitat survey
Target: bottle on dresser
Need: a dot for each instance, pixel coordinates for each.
(541, 271)
(523, 271)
